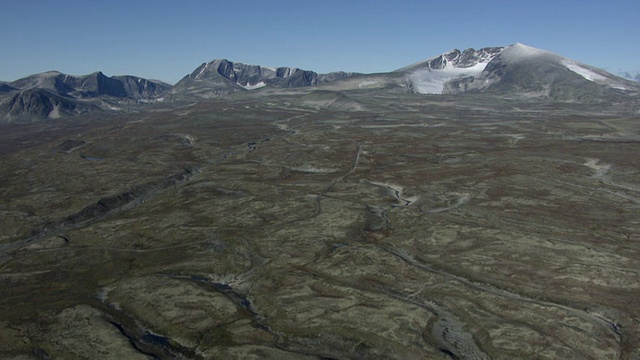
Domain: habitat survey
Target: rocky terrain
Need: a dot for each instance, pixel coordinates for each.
(349, 220)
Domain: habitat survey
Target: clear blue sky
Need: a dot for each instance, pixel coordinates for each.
(165, 40)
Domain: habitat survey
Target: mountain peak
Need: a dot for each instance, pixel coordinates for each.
(51, 73)
(520, 51)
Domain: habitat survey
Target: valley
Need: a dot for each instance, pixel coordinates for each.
(277, 224)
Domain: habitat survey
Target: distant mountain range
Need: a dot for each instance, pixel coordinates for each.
(221, 77)
(513, 71)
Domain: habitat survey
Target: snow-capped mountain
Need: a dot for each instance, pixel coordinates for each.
(524, 68)
(221, 76)
(456, 59)
(518, 69)
(431, 76)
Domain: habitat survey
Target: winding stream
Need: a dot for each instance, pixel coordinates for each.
(397, 193)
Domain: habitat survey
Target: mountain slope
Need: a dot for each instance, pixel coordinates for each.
(30, 104)
(139, 88)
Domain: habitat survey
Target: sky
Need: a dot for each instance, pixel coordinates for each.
(166, 40)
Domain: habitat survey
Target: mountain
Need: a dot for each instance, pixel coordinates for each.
(629, 76)
(519, 70)
(221, 77)
(93, 85)
(53, 94)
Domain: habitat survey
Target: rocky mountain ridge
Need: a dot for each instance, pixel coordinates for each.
(222, 77)
(459, 59)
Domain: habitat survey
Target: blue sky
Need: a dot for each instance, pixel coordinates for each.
(165, 40)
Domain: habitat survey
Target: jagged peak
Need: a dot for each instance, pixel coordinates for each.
(219, 62)
(231, 69)
(98, 74)
(456, 58)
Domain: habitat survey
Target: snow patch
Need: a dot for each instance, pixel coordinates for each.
(367, 83)
(55, 113)
(313, 170)
(289, 71)
(432, 81)
(583, 71)
(249, 86)
(600, 170)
